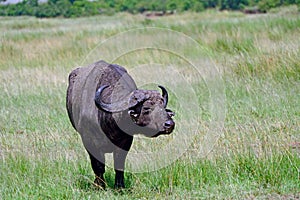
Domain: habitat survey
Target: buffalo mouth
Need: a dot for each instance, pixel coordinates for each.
(167, 129)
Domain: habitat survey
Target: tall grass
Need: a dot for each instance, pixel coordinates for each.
(257, 155)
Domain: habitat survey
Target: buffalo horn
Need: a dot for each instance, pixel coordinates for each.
(165, 95)
(109, 107)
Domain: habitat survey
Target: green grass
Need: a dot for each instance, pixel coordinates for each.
(238, 177)
(256, 156)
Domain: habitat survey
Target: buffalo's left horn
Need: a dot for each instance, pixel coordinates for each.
(165, 95)
(110, 107)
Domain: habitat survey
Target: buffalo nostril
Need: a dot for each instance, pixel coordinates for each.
(169, 123)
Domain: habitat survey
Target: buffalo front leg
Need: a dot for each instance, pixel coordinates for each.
(98, 165)
(119, 165)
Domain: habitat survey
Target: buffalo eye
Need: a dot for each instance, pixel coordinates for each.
(146, 110)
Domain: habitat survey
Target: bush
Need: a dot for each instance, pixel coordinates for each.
(198, 7)
(47, 10)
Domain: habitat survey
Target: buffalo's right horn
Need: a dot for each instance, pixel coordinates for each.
(165, 95)
(109, 107)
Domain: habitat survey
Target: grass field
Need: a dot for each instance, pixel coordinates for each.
(256, 156)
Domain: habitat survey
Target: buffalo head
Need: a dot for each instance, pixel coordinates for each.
(146, 108)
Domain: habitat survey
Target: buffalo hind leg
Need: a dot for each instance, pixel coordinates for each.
(99, 170)
(119, 165)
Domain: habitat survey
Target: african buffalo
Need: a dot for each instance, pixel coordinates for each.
(106, 108)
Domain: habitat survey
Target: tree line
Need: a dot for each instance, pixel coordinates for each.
(78, 8)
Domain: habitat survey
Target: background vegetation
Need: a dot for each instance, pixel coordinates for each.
(257, 156)
(76, 8)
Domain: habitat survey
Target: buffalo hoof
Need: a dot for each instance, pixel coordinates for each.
(119, 186)
(100, 183)
(121, 190)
